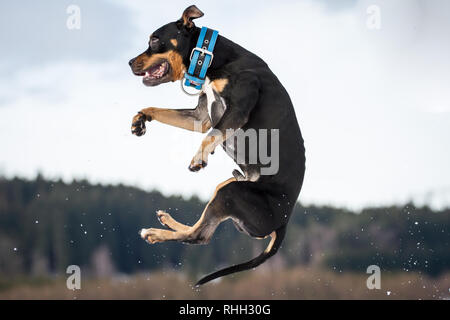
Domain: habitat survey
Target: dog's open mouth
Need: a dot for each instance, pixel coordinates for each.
(156, 73)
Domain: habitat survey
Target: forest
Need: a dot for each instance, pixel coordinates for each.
(47, 225)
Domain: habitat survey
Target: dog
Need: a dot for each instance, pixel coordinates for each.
(240, 93)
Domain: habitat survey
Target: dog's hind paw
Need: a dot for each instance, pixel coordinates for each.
(149, 235)
(163, 217)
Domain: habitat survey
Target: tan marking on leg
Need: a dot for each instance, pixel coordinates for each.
(210, 142)
(219, 84)
(208, 145)
(202, 227)
(176, 118)
(174, 42)
(272, 241)
(153, 235)
(219, 186)
(207, 227)
(167, 220)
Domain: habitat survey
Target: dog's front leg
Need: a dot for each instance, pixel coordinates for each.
(209, 144)
(242, 102)
(190, 119)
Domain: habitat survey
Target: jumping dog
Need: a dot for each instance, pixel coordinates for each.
(240, 92)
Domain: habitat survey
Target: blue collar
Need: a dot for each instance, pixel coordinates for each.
(201, 58)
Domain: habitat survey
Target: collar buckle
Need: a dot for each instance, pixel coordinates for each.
(203, 52)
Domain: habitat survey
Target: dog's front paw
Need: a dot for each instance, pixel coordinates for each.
(138, 124)
(197, 163)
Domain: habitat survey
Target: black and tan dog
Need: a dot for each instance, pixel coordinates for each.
(243, 94)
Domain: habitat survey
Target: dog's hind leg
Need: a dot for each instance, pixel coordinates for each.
(167, 220)
(200, 233)
(246, 204)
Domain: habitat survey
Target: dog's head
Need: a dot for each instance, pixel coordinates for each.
(168, 50)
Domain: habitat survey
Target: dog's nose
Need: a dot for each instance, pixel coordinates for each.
(130, 63)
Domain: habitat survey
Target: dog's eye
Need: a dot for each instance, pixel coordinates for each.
(154, 43)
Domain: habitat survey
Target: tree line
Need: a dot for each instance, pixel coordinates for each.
(47, 225)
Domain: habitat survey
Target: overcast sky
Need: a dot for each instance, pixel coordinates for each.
(373, 104)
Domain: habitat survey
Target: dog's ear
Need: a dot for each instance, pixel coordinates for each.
(190, 14)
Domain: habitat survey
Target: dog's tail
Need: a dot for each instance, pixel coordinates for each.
(272, 248)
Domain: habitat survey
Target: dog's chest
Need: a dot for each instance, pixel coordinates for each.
(215, 103)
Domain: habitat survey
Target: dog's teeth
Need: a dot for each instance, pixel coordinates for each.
(158, 72)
